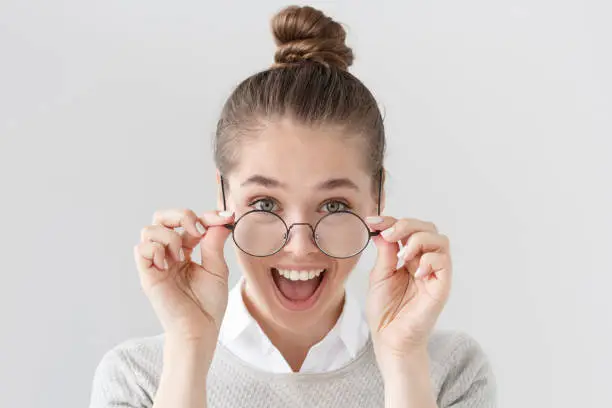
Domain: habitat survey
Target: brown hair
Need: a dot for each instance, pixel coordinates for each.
(308, 82)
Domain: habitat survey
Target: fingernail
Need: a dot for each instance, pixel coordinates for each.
(420, 272)
(400, 263)
(165, 264)
(226, 214)
(181, 255)
(374, 220)
(402, 252)
(387, 233)
(201, 229)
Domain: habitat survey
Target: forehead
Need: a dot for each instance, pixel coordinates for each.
(302, 154)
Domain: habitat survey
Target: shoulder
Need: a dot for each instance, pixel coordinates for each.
(461, 368)
(445, 344)
(128, 372)
(137, 353)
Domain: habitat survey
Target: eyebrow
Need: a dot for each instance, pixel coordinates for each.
(330, 184)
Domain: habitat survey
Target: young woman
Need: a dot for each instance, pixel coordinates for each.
(299, 151)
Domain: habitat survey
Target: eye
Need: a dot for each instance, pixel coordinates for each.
(264, 204)
(335, 206)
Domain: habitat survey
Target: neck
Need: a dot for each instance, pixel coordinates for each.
(291, 343)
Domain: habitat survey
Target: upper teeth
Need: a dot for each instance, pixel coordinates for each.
(300, 275)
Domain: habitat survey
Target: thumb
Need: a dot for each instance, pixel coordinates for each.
(386, 260)
(212, 246)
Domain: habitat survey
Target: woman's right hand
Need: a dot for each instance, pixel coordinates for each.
(189, 298)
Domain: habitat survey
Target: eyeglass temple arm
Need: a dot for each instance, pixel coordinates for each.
(228, 226)
(380, 181)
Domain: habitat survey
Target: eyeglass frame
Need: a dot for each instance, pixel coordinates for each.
(371, 234)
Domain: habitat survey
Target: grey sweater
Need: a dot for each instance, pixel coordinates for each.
(128, 376)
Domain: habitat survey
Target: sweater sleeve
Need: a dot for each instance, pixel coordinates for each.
(115, 383)
(470, 382)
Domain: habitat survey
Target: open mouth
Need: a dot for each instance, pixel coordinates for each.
(298, 290)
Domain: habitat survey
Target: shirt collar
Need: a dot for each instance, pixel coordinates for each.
(237, 318)
(351, 326)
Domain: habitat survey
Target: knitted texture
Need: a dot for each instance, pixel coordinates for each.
(128, 376)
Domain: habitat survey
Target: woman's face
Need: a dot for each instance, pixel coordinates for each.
(301, 174)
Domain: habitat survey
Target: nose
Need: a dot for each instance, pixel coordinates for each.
(300, 240)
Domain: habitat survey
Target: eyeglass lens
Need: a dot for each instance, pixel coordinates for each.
(340, 234)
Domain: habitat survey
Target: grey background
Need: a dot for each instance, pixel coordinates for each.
(498, 119)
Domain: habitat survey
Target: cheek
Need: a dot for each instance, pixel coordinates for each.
(257, 274)
(344, 268)
(254, 268)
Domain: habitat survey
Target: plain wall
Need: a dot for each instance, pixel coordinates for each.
(498, 123)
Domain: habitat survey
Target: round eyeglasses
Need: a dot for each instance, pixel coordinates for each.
(339, 234)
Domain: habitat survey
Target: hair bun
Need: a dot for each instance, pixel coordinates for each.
(305, 33)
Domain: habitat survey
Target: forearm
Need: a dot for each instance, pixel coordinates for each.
(407, 382)
(183, 379)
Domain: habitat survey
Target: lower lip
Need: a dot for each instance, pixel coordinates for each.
(299, 305)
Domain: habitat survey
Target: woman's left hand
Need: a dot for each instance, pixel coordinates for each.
(407, 291)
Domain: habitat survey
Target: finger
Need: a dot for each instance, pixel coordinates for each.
(188, 242)
(380, 222)
(150, 255)
(193, 227)
(159, 256)
(433, 265)
(404, 227)
(435, 275)
(174, 217)
(169, 238)
(216, 218)
(421, 242)
(386, 260)
(213, 242)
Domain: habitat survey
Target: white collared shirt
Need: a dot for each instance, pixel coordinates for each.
(243, 336)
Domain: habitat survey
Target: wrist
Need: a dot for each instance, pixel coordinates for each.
(190, 355)
(407, 380)
(395, 366)
(185, 373)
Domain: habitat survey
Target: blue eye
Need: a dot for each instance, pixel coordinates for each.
(335, 206)
(266, 204)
